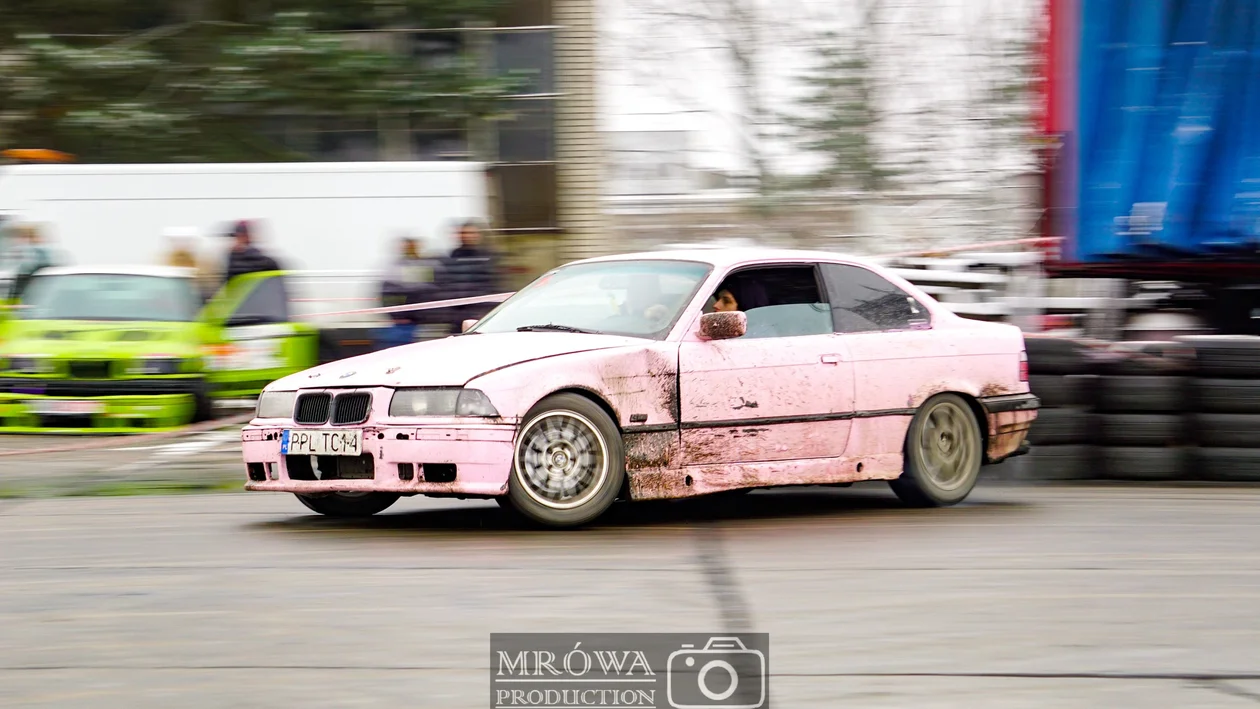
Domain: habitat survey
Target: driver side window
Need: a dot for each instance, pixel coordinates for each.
(781, 301)
(267, 304)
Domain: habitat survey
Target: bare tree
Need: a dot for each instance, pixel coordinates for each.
(676, 45)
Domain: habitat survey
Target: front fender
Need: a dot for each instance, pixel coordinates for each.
(640, 384)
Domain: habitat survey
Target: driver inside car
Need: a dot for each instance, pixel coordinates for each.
(737, 293)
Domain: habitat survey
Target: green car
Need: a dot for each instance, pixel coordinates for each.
(134, 349)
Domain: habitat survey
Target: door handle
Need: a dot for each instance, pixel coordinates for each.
(831, 359)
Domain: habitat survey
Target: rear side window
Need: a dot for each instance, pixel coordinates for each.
(864, 301)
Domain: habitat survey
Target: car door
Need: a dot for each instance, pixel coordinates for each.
(782, 391)
(255, 341)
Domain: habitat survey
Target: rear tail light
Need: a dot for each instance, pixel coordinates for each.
(1023, 366)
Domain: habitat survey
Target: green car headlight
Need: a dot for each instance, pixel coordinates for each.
(275, 404)
(30, 364)
(441, 402)
(155, 365)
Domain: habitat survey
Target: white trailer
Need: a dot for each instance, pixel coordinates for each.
(311, 216)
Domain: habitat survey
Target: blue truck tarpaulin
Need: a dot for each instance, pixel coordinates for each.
(1167, 129)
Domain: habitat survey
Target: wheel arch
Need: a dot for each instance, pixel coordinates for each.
(586, 393)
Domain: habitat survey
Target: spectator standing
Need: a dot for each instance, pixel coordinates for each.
(470, 270)
(245, 256)
(407, 281)
(181, 252)
(33, 255)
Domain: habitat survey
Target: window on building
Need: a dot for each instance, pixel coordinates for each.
(440, 144)
(527, 196)
(525, 13)
(436, 50)
(528, 56)
(530, 136)
(864, 301)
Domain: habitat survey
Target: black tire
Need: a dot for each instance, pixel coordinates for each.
(1054, 427)
(943, 454)
(1228, 464)
(203, 404)
(1227, 430)
(1149, 358)
(1056, 355)
(1136, 463)
(1150, 430)
(1226, 356)
(348, 505)
(1142, 395)
(1063, 390)
(1062, 463)
(1226, 396)
(587, 430)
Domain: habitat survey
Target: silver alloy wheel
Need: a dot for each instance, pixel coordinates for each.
(561, 459)
(948, 449)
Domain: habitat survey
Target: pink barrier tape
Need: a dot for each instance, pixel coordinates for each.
(433, 305)
(116, 441)
(973, 247)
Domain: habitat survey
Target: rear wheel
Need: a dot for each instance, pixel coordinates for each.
(569, 463)
(942, 454)
(349, 504)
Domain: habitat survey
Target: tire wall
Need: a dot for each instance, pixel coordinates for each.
(1188, 409)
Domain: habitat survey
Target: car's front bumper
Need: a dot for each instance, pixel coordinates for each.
(136, 413)
(471, 460)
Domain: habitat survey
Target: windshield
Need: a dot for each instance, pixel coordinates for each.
(96, 296)
(636, 298)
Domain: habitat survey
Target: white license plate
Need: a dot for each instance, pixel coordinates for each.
(322, 442)
(61, 407)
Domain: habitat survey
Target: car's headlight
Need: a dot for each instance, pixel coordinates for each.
(275, 404)
(30, 364)
(155, 365)
(441, 402)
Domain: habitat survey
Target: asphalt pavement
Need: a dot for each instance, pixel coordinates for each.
(1022, 597)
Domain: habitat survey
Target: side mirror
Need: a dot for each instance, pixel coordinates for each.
(723, 326)
(467, 325)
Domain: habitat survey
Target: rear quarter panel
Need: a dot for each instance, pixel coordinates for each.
(899, 371)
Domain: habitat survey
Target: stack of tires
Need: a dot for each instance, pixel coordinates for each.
(1140, 421)
(1061, 438)
(1225, 397)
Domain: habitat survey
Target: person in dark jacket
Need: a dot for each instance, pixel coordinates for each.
(471, 270)
(245, 257)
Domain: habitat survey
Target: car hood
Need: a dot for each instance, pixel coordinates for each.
(79, 338)
(451, 361)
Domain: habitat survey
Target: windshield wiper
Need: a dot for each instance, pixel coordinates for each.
(552, 328)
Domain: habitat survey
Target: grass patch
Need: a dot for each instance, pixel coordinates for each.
(130, 488)
(123, 488)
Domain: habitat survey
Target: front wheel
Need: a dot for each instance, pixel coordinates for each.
(942, 454)
(569, 463)
(349, 504)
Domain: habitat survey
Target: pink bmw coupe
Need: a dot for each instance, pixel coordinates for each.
(658, 375)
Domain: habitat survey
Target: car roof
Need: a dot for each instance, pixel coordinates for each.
(733, 256)
(157, 271)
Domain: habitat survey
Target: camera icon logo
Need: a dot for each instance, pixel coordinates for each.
(724, 674)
